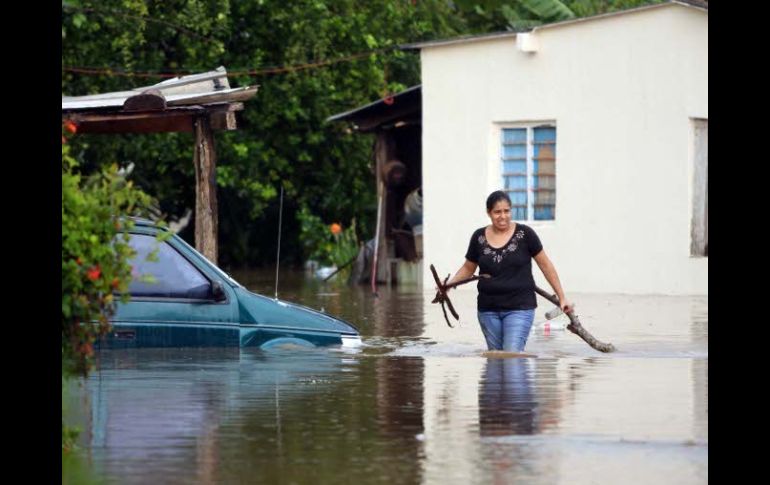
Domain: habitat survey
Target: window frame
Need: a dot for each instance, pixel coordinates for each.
(178, 299)
(531, 191)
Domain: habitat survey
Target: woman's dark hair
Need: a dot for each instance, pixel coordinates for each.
(496, 197)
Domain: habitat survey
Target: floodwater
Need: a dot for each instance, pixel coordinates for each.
(417, 403)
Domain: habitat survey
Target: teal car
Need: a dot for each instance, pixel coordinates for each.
(187, 301)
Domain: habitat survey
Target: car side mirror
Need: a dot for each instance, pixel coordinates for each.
(218, 291)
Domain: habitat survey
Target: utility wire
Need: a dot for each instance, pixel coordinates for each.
(106, 71)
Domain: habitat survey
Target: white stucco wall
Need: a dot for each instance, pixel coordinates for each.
(623, 91)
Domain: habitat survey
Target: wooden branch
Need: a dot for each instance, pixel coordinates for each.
(466, 280)
(443, 298)
(341, 268)
(575, 326)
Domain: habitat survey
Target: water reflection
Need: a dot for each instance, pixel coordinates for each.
(507, 403)
(400, 396)
(418, 404)
(223, 415)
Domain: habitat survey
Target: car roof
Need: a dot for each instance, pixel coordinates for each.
(146, 226)
(141, 221)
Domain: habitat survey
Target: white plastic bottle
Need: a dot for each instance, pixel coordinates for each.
(553, 313)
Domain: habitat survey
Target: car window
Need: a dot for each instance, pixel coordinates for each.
(170, 274)
(213, 266)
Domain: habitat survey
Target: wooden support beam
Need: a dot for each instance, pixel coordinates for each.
(138, 122)
(384, 151)
(206, 210)
(222, 116)
(223, 121)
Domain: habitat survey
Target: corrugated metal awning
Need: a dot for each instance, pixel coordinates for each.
(171, 105)
(400, 106)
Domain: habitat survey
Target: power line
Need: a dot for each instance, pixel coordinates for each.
(107, 71)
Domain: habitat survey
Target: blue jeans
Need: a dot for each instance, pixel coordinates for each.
(506, 330)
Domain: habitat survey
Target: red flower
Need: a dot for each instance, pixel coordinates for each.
(389, 100)
(335, 228)
(94, 273)
(87, 349)
(71, 127)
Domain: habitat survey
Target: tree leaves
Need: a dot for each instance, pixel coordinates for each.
(283, 138)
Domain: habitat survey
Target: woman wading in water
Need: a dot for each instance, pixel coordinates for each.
(507, 301)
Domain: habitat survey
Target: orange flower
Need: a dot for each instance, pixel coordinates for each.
(71, 127)
(115, 283)
(335, 228)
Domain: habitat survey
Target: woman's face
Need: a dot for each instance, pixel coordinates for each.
(500, 215)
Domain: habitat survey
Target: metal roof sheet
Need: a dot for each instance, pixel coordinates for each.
(203, 88)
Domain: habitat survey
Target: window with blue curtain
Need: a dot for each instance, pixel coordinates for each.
(528, 171)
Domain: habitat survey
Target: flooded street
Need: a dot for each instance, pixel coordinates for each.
(417, 403)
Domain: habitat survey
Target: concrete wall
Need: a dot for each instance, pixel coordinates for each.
(623, 92)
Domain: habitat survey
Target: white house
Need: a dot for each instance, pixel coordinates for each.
(598, 128)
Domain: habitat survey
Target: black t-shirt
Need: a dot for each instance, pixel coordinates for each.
(511, 286)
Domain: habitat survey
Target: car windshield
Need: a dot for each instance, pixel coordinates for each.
(216, 268)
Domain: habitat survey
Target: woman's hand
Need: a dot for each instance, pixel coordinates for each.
(566, 305)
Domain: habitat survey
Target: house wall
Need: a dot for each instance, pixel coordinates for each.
(623, 91)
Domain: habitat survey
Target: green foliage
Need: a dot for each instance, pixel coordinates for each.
(75, 470)
(283, 139)
(95, 254)
(314, 235)
(522, 15)
(584, 8)
(346, 244)
(328, 244)
(69, 436)
(548, 10)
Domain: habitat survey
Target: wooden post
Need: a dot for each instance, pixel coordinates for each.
(206, 215)
(384, 148)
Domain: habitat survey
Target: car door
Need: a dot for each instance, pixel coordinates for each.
(172, 300)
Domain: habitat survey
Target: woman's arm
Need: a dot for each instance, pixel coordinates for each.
(549, 271)
(465, 271)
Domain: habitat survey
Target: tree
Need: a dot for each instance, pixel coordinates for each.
(95, 258)
(283, 139)
(311, 58)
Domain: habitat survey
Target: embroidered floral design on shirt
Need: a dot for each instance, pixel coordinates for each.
(499, 254)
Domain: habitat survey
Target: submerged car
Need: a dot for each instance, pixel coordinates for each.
(178, 298)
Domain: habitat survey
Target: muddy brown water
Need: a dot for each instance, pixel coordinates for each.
(418, 402)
